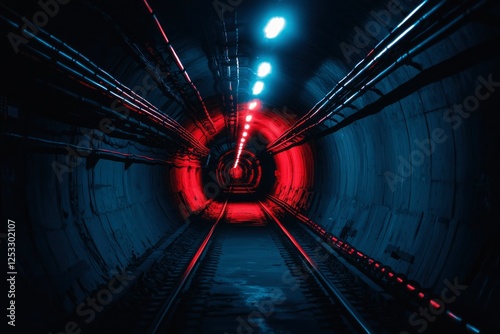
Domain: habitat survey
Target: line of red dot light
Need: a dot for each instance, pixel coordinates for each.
(244, 136)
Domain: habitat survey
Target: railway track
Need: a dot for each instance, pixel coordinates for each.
(251, 270)
(251, 275)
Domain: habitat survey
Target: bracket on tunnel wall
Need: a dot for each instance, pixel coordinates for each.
(91, 161)
(127, 164)
(398, 254)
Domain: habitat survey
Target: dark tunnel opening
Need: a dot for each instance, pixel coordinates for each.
(127, 127)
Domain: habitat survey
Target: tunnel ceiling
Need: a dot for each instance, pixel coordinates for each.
(105, 32)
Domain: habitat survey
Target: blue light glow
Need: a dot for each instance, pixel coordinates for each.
(274, 27)
(264, 69)
(258, 87)
(472, 329)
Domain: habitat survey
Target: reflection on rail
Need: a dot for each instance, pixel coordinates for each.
(356, 317)
(383, 275)
(212, 274)
(167, 307)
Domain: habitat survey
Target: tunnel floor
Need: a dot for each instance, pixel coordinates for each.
(247, 287)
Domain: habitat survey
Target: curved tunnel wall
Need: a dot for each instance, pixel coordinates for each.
(411, 185)
(77, 231)
(430, 226)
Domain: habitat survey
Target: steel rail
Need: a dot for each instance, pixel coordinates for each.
(312, 266)
(170, 302)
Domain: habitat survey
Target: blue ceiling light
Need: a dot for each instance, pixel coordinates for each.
(258, 87)
(274, 27)
(264, 69)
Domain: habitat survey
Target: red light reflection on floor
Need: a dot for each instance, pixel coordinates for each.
(245, 213)
(294, 173)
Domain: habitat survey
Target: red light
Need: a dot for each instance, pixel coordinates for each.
(454, 317)
(435, 304)
(248, 118)
(400, 280)
(252, 105)
(391, 274)
(410, 287)
(236, 172)
(421, 295)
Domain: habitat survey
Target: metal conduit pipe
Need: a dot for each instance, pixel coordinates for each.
(426, 38)
(181, 68)
(354, 84)
(227, 96)
(86, 152)
(134, 48)
(466, 57)
(440, 28)
(348, 84)
(349, 77)
(147, 130)
(102, 81)
(236, 51)
(142, 108)
(181, 99)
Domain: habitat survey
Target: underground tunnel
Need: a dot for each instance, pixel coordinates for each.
(237, 166)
